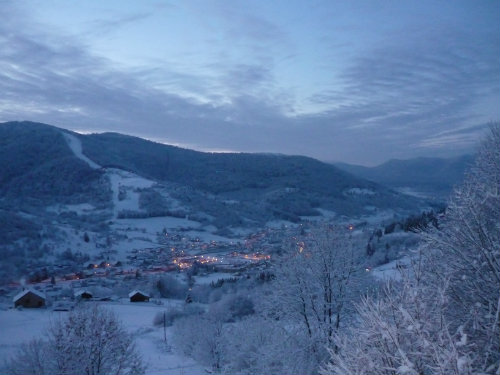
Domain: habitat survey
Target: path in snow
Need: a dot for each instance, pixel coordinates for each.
(76, 146)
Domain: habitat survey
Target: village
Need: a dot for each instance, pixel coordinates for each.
(108, 279)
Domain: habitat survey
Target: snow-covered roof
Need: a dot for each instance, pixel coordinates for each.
(137, 292)
(26, 291)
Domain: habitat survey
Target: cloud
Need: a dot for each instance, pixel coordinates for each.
(416, 90)
(114, 23)
(399, 99)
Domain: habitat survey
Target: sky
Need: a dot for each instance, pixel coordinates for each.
(353, 81)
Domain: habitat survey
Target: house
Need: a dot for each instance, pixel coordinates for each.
(29, 298)
(83, 294)
(138, 296)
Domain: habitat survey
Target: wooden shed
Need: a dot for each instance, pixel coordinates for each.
(138, 296)
(29, 298)
(84, 294)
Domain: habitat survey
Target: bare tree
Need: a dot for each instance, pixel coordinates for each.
(90, 341)
(316, 283)
(203, 338)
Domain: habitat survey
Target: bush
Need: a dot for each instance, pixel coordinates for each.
(233, 307)
(90, 341)
(169, 287)
(171, 315)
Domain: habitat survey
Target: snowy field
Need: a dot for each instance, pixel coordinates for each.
(18, 326)
(390, 271)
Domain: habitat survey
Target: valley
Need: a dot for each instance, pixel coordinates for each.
(104, 215)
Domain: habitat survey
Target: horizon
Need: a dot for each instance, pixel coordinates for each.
(360, 84)
(332, 162)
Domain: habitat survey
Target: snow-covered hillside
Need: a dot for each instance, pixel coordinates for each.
(76, 146)
(18, 327)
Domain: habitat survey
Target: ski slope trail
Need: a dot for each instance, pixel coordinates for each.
(76, 146)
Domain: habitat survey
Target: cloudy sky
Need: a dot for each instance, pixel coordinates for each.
(353, 81)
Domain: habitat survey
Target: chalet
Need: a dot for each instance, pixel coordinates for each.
(29, 298)
(138, 296)
(84, 295)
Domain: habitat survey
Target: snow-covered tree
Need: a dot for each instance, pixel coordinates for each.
(203, 338)
(316, 282)
(403, 331)
(443, 316)
(89, 341)
(468, 250)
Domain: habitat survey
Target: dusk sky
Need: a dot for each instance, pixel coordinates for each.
(354, 81)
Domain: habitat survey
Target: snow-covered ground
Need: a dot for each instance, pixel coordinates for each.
(390, 271)
(212, 277)
(413, 192)
(379, 217)
(82, 208)
(76, 146)
(18, 326)
(128, 183)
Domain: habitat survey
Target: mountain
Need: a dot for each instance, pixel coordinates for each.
(277, 180)
(40, 166)
(67, 196)
(429, 177)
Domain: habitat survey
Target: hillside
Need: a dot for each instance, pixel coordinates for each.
(41, 166)
(68, 196)
(38, 167)
(433, 177)
(293, 185)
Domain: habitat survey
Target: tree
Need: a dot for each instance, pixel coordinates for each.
(469, 246)
(202, 337)
(403, 331)
(90, 341)
(443, 316)
(316, 283)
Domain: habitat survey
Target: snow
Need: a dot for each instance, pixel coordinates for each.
(129, 183)
(19, 326)
(379, 217)
(405, 370)
(212, 277)
(389, 271)
(359, 191)
(207, 236)
(143, 232)
(412, 191)
(26, 291)
(76, 146)
(326, 213)
(82, 208)
(277, 224)
(134, 292)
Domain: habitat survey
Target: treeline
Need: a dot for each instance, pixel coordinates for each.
(415, 223)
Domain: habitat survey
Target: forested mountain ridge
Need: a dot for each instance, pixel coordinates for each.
(38, 165)
(435, 176)
(41, 164)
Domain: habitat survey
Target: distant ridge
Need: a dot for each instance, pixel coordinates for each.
(432, 175)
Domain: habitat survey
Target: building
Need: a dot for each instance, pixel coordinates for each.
(83, 294)
(29, 298)
(138, 296)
